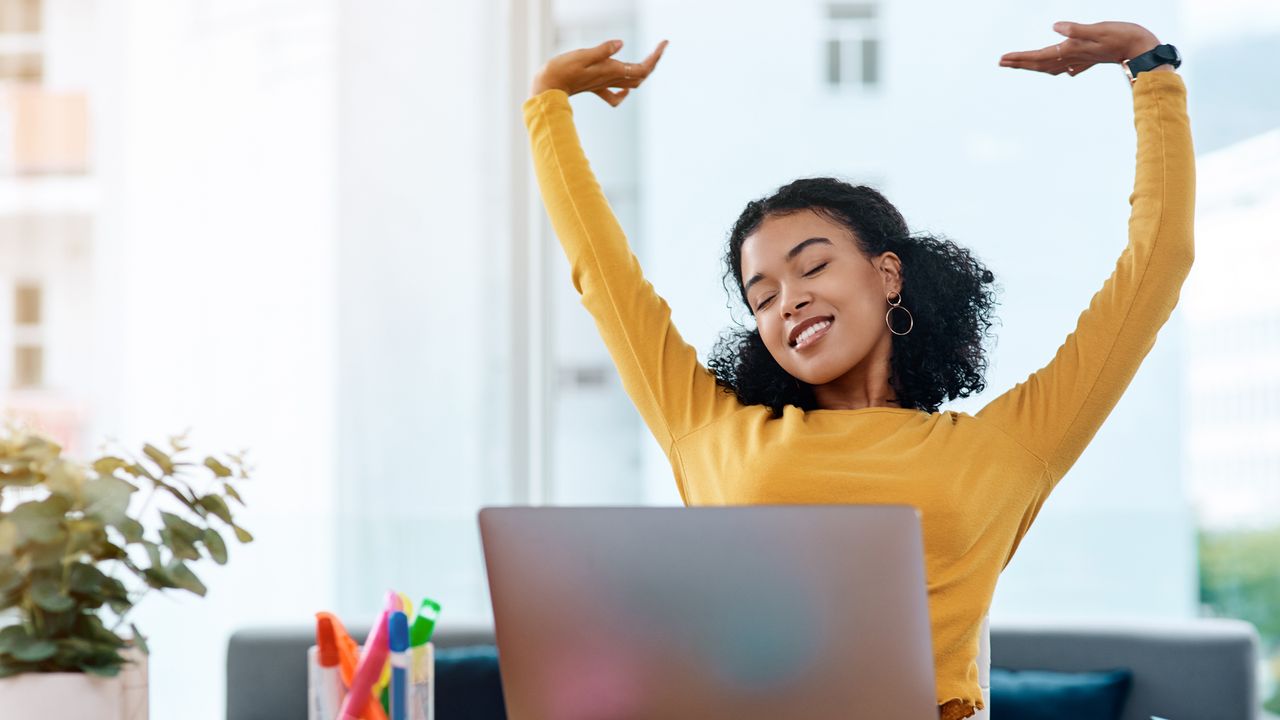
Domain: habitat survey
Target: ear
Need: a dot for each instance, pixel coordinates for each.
(890, 267)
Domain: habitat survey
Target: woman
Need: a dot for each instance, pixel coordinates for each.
(862, 331)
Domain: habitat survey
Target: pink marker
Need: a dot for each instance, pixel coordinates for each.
(372, 657)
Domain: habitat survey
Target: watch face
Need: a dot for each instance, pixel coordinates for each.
(1168, 53)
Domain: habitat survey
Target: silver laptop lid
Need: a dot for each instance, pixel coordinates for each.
(727, 612)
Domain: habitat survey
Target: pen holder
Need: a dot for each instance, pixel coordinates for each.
(422, 690)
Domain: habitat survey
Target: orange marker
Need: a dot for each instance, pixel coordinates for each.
(348, 658)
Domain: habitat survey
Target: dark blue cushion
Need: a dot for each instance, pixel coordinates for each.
(1048, 695)
(468, 686)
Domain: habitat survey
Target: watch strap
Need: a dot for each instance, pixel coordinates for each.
(1155, 57)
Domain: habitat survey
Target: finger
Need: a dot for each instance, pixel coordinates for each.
(1076, 31)
(1052, 68)
(651, 62)
(619, 74)
(1029, 64)
(611, 97)
(1052, 53)
(605, 49)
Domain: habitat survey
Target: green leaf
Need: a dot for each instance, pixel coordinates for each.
(214, 544)
(186, 579)
(216, 505)
(90, 627)
(159, 578)
(219, 470)
(86, 579)
(181, 528)
(139, 639)
(34, 650)
(108, 669)
(231, 493)
(108, 465)
(131, 529)
(10, 578)
(242, 535)
(47, 594)
(8, 537)
(177, 494)
(153, 552)
(179, 442)
(180, 546)
(40, 521)
(65, 478)
(161, 460)
(58, 625)
(12, 636)
(86, 537)
(113, 589)
(45, 555)
(107, 498)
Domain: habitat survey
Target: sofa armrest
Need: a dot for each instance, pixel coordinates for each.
(1205, 668)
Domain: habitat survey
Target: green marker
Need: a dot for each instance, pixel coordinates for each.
(422, 659)
(425, 623)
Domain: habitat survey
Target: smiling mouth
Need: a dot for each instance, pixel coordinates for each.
(810, 336)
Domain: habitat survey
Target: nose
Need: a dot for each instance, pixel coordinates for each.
(788, 310)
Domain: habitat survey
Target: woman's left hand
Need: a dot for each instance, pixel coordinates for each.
(1085, 46)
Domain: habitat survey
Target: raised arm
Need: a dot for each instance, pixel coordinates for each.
(1058, 409)
(673, 392)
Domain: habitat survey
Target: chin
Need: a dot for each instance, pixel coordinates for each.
(820, 375)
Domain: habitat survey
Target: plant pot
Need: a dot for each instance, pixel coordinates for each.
(78, 696)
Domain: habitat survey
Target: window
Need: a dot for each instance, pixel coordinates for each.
(26, 305)
(20, 26)
(20, 17)
(853, 45)
(28, 350)
(28, 367)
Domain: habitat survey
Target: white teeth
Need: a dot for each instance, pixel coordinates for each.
(811, 331)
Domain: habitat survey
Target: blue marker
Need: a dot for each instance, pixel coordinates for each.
(398, 630)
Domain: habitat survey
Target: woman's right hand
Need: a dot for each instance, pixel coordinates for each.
(594, 70)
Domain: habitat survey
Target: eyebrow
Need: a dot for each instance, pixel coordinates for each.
(791, 255)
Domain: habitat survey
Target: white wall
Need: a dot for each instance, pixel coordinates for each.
(215, 278)
(423, 291)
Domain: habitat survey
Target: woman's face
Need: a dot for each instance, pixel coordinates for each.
(803, 270)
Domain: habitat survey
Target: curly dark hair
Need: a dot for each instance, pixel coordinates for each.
(949, 292)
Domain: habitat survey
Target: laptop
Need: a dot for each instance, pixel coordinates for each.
(710, 612)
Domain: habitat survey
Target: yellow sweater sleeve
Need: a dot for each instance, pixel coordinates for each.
(1056, 411)
(673, 392)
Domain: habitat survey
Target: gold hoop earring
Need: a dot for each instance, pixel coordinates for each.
(897, 305)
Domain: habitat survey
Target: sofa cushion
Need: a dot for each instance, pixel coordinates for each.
(1050, 695)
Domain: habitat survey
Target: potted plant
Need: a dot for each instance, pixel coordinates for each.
(79, 545)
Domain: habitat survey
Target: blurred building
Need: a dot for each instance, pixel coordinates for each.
(48, 204)
(1233, 337)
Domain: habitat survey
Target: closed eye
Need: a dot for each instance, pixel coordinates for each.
(769, 299)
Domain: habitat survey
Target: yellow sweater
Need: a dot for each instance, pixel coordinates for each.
(978, 480)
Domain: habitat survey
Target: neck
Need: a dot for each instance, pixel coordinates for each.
(866, 385)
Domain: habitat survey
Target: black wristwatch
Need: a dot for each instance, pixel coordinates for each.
(1156, 56)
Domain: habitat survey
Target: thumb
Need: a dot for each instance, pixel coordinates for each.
(1068, 29)
(607, 48)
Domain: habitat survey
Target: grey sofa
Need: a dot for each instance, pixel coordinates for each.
(1193, 670)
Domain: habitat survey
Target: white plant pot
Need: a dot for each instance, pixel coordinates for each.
(78, 696)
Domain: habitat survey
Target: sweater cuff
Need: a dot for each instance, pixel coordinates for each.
(1156, 80)
(544, 100)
